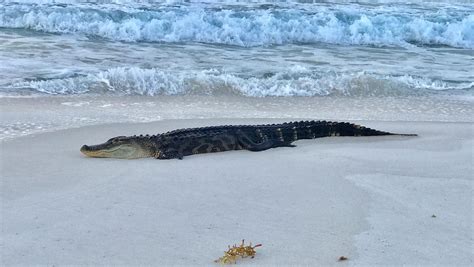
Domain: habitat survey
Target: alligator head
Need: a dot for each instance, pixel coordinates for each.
(122, 147)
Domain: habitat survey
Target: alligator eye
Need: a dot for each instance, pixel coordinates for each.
(115, 139)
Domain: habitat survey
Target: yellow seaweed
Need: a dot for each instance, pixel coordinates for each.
(235, 252)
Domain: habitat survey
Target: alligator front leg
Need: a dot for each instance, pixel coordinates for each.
(170, 154)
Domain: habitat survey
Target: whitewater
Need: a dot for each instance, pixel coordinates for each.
(69, 64)
(249, 48)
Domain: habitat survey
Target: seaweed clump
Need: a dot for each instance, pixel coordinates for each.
(235, 252)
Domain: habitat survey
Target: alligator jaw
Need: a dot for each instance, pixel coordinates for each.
(110, 150)
(98, 151)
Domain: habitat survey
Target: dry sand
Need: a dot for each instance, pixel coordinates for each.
(371, 199)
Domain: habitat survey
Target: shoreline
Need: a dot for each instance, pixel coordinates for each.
(25, 116)
(367, 198)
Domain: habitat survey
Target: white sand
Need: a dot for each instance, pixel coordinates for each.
(370, 199)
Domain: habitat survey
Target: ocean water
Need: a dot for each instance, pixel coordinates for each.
(245, 48)
(66, 64)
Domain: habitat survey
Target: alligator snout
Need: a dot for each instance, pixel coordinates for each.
(86, 148)
(91, 151)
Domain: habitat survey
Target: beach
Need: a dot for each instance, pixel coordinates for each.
(375, 200)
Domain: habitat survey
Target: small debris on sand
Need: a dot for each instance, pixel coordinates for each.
(343, 258)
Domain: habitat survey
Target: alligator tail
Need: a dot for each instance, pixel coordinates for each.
(317, 129)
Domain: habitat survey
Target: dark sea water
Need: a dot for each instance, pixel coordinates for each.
(246, 48)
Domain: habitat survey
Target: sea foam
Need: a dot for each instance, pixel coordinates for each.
(250, 27)
(297, 81)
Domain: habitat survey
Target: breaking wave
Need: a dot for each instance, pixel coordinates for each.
(297, 81)
(249, 27)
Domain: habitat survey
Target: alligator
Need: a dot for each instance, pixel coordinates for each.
(183, 142)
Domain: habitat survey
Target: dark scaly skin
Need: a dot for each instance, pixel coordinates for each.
(185, 142)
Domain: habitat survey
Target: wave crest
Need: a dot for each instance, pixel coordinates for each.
(248, 27)
(298, 81)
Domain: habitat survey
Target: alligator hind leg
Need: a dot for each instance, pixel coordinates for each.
(265, 144)
(278, 143)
